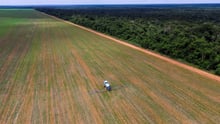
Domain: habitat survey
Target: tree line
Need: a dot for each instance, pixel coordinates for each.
(191, 35)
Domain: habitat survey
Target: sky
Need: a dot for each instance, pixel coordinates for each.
(73, 2)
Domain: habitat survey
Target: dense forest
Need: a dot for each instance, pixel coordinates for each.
(190, 35)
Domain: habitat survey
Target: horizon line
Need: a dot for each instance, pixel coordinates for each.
(110, 4)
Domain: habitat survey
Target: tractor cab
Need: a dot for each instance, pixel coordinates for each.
(107, 85)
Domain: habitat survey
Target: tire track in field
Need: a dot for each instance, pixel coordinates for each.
(66, 96)
(160, 101)
(27, 106)
(190, 92)
(56, 78)
(54, 110)
(18, 52)
(39, 82)
(62, 94)
(25, 99)
(24, 113)
(48, 87)
(25, 110)
(94, 112)
(5, 42)
(11, 56)
(8, 89)
(192, 98)
(45, 97)
(58, 110)
(44, 106)
(190, 103)
(50, 76)
(162, 91)
(190, 81)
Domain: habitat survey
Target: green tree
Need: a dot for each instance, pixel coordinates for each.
(217, 71)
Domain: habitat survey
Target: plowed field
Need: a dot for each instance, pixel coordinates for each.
(52, 72)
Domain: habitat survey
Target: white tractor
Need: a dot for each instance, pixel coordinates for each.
(107, 85)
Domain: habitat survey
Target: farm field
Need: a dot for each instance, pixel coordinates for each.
(53, 72)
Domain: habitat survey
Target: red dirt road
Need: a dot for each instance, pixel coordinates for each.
(193, 69)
